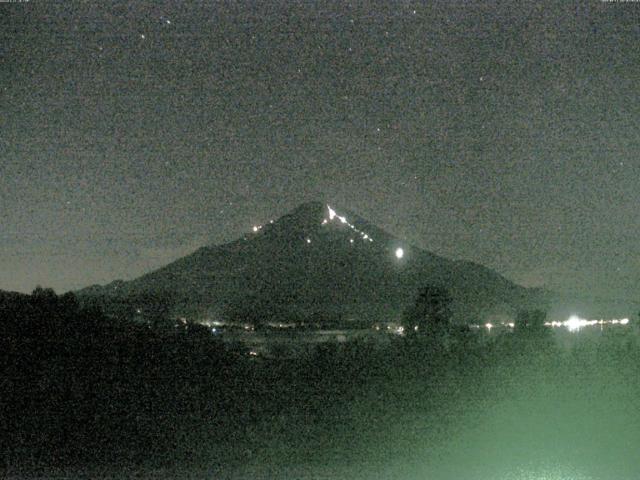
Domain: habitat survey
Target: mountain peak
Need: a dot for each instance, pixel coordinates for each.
(313, 209)
(319, 259)
(309, 217)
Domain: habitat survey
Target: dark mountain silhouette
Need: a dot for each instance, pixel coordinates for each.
(315, 262)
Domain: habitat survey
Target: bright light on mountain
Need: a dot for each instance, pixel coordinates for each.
(399, 252)
(333, 214)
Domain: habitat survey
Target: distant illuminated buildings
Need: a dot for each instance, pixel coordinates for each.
(575, 323)
(572, 324)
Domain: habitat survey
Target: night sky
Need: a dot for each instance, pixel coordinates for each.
(132, 133)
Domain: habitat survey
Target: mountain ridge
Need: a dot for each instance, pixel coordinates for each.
(318, 260)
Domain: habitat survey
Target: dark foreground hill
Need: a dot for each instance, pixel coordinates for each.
(315, 263)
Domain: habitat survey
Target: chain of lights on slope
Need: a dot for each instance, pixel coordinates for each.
(399, 252)
(332, 216)
(573, 323)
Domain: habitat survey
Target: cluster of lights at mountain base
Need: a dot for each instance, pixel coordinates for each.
(573, 323)
(490, 325)
(333, 215)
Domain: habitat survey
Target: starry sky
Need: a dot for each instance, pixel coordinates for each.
(132, 133)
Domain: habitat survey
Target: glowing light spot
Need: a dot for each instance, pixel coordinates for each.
(575, 323)
(332, 213)
(399, 252)
(489, 326)
(255, 228)
(351, 240)
(308, 240)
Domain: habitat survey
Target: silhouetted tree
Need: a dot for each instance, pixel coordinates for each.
(531, 320)
(431, 313)
(530, 329)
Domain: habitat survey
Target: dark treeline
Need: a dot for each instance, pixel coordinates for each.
(77, 385)
(80, 388)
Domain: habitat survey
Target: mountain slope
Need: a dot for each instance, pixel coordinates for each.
(317, 262)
